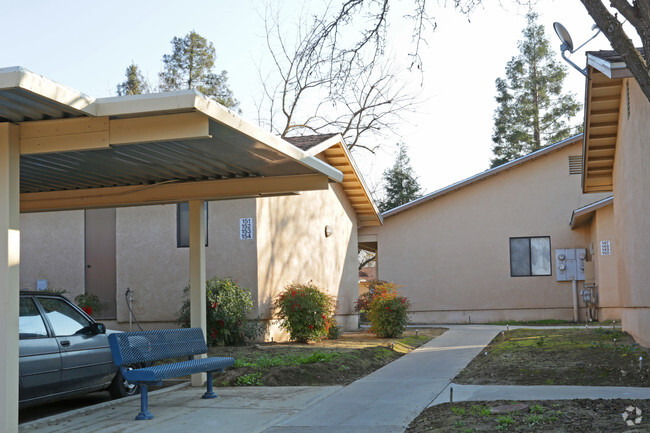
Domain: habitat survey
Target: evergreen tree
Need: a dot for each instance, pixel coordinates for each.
(190, 66)
(533, 111)
(400, 183)
(135, 83)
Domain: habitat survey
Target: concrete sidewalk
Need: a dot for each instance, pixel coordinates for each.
(542, 392)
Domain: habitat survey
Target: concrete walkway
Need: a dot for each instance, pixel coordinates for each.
(384, 401)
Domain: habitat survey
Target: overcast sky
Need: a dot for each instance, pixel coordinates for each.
(88, 45)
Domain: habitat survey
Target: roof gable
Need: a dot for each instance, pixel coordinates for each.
(332, 148)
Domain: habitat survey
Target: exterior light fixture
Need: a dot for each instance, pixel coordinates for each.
(328, 231)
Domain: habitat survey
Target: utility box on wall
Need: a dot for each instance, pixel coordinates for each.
(570, 264)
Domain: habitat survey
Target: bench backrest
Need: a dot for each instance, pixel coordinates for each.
(130, 348)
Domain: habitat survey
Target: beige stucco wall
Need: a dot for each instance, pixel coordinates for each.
(150, 263)
(52, 248)
(602, 229)
(293, 248)
(451, 254)
(632, 210)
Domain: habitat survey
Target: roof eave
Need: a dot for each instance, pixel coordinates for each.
(488, 173)
(581, 216)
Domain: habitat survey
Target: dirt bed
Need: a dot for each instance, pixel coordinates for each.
(329, 362)
(598, 356)
(584, 416)
(595, 356)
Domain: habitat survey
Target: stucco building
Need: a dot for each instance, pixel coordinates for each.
(616, 160)
(264, 243)
(482, 250)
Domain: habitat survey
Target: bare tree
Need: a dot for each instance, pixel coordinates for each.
(323, 85)
(609, 16)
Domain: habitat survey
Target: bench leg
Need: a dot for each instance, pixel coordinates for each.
(209, 393)
(144, 403)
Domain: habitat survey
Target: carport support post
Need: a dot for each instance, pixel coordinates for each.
(197, 273)
(9, 275)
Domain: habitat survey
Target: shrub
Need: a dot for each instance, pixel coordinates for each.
(227, 306)
(89, 302)
(376, 287)
(334, 330)
(305, 311)
(388, 314)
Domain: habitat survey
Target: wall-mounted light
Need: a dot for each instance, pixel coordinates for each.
(328, 231)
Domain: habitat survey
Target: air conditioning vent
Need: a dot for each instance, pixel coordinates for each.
(575, 164)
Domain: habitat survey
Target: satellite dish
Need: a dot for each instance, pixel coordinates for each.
(565, 37)
(567, 44)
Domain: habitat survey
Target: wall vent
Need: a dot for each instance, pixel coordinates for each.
(575, 164)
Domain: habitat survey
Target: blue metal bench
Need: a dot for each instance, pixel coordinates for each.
(134, 349)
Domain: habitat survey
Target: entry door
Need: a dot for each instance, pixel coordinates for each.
(100, 260)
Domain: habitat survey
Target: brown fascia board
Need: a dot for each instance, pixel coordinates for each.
(482, 176)
(580, 215)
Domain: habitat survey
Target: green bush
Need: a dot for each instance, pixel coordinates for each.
(388, 314)
(305, 311)
(227, 306)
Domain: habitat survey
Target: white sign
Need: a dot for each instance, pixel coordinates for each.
(246, 228)
(605, 248)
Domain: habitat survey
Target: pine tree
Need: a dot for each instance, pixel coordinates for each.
(400, 183)
(135, 83)
(190, 66)
(533, 111)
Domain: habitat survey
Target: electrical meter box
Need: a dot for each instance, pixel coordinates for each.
(570, 264)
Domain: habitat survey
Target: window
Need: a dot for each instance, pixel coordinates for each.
(31, 323)
(183, 225)
(64, 318)
(530, 256)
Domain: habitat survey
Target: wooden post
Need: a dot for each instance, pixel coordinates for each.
(9, 275)
(197, 273)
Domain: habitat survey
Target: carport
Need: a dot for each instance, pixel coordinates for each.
(62, 150)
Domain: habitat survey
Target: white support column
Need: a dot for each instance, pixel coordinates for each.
(197, 274)
(9, 275)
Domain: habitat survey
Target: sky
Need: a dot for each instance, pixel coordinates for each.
(88, 45)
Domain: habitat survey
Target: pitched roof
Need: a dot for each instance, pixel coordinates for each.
(335, 152)
(484, 175)
(306, 142)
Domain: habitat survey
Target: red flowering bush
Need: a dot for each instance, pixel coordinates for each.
(305, 311)
(376, 287)
(388, 314)
(227, 306)
(89, 302)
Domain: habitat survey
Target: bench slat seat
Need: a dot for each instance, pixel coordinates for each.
(157, 373)
(136, 352)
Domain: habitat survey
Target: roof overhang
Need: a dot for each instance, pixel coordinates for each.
(585, 214)
(79, 152)
(484, 175)
(335, 152)
(604, 87)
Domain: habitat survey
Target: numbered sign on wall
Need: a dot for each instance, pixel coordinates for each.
(605, 248)
(246, 228)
